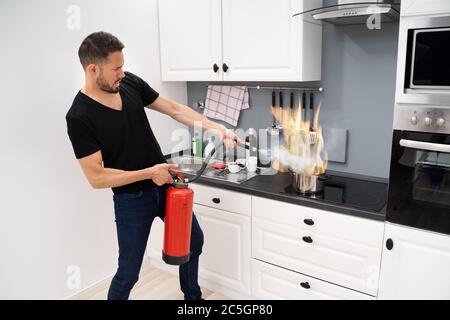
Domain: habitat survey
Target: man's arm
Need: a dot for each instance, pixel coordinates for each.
(100, 177)
(187, 116)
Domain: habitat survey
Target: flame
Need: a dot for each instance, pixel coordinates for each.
(303, 149)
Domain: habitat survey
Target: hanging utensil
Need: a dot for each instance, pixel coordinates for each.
(304, 106)
(274, 108)
(281, 114)
(312, 133)
(272, 130)
(291, 109)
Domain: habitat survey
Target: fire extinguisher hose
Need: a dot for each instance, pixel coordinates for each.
(203, 167)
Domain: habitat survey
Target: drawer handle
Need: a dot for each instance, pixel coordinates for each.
(215, 67)
(389, 244)
(307, 239)
(216, 200)
(305, 285)
(309, 222)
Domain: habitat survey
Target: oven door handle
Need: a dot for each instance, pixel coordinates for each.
(425, 145)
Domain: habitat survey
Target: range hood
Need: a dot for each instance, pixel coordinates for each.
(347, 12)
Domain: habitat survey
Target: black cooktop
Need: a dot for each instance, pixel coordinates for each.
(350, 192)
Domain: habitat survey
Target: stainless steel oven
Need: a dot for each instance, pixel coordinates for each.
(423, 71)
(419, 182)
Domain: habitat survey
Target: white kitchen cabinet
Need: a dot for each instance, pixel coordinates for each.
(239, 40)
(275, 283)
(424, 7)
(337, 248)
(226, 256)
(262, 41)
(190, 39)
(417, 266)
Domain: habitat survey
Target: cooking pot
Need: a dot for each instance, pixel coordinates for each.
(308, 183)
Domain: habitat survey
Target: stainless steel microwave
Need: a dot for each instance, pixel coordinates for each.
(430, 59)
(423, 67)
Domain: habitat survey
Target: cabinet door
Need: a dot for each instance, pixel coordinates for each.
(190, 39)
(226, 251)
(262, 41)
(420, 7)
(417, 266)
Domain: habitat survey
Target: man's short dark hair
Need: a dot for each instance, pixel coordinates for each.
(97, 46)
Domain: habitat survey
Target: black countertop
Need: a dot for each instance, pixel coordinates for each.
(273, 186)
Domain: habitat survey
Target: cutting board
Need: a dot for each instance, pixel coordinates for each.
(335, 140)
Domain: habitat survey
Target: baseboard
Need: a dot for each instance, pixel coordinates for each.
(88, 287)
(158, 263)
(232, 294)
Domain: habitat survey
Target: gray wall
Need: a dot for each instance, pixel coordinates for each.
(358, 76)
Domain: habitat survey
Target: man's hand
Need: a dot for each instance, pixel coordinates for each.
(160, 173)
(229, 138)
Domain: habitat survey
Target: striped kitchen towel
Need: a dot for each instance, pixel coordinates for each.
(226, 102)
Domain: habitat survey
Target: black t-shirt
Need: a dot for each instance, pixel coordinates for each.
(124, 137)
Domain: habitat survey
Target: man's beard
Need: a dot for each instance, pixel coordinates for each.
(103, 85)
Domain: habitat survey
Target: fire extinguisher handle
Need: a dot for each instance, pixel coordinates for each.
(177, 175)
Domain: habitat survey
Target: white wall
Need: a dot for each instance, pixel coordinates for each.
(50, 217)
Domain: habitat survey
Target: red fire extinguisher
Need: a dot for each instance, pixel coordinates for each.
(178, 222)
(178, 218)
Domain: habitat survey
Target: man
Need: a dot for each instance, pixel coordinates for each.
(116, 148)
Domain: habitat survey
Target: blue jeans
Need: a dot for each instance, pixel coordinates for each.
(134, 214)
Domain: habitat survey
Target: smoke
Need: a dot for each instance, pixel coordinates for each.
(302, 157)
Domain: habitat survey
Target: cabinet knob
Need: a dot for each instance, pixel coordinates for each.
(225, 67)
(307, 239)
(216, 200)
(305, 285)
(215, 67)
(389, 244)
(309, 222)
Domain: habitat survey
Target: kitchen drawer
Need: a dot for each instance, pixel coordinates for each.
(272, 282)
(222, 199)
(341, 249)
(310, 220)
